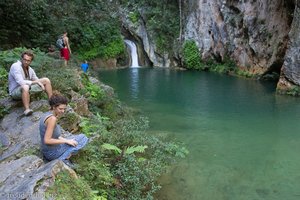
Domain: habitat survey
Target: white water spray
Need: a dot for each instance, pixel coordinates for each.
(133, 52)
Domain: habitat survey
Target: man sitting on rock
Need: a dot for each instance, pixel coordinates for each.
(23, 81)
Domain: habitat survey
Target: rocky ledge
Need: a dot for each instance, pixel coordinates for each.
(24, 172)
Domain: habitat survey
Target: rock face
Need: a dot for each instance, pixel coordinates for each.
(290, 75)
(28, 177)
(100, 63)
(253, 33)
(139, 34)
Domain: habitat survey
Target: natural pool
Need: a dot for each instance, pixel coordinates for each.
(244, 140)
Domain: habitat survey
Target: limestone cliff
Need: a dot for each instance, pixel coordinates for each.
(260, 36)
(253, 33)
(290, 73)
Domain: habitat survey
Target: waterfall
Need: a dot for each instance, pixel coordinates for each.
(133, 52)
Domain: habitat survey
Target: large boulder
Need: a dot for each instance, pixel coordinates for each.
(81, 104)
(28, 177)
(19, 133)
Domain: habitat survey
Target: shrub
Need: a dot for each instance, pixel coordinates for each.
(226, 66)
(134, 17)
(125, 162)
(244, 73)
(191, 55)
(7, 58)
(293, 91)
(101, 39)
(3, 83)
(94, 125)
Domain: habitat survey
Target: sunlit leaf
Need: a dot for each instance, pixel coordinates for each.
(111, 147)
(134, 149)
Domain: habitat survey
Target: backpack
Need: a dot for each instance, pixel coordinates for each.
(60, 43)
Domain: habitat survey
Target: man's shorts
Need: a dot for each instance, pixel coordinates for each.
(17, 93)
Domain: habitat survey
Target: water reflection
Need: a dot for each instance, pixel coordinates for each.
(134, 83)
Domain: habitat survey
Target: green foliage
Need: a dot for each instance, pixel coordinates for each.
(294, 91)
(42, 60)
(96, 125)
(111, 147)
(226, 66)
(70, 79)
(134, 17)
(243, 73)
(101, 100)
(191, 55)
(162, 20)
(20, 32)
(3, 111)
(94, 169)
(116, 163)
(113, 48)
(70, 188)
(3, 87)
(93, 27)
(7, 58)
(92, 91)
(135, 182)
(128, 150)
(101, 39)
(133, 149)
(95, 91)
(161, 41)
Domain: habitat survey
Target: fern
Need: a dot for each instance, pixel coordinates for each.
(128, 151)
(133, 149)
(111, 147)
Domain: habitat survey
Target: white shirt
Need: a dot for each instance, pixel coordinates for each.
(16, 76)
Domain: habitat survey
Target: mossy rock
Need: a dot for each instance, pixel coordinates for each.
(70, 121)
(66, 187)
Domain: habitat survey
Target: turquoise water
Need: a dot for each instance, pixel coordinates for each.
(244, 140)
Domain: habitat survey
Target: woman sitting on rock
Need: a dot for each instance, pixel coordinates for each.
(53, 145)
